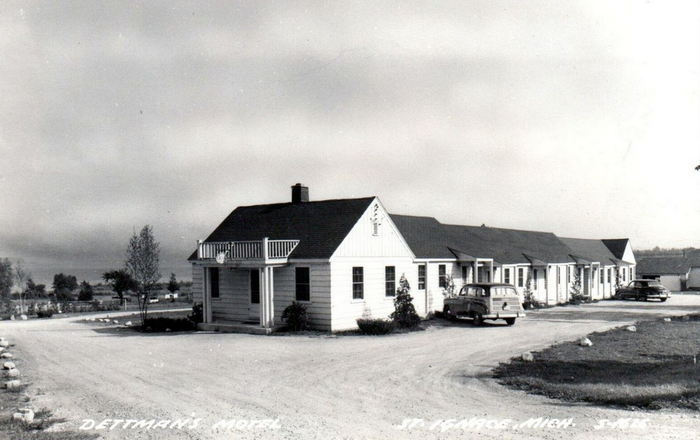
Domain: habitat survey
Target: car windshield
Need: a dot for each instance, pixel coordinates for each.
(654, 284)
(503, 291)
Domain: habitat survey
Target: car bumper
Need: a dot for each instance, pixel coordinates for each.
(503, 315)
(659, 296)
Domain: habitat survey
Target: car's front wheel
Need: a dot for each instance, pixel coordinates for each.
(447, 314)
(510, 321)
(478, 319)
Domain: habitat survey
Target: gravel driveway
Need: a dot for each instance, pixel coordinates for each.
(321, 386)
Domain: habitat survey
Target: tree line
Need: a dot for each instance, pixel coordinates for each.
(139, 275)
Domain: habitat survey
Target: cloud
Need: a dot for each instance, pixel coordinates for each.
(541, 115)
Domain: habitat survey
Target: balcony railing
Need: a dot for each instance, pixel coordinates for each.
(236, 251)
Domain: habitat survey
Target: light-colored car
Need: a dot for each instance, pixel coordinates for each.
(482, 301)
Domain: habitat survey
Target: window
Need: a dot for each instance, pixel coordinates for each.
(558, 275)
(421, 277)
(389, 281)
(254, 286)
(358, 279)
(303, 289)
(521, 275)
(602, 275)
(609, 275)
(506, 276)
(214, 281)
(464, 274)
(442, 272)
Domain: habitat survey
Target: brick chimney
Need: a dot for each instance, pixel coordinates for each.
(300, 193)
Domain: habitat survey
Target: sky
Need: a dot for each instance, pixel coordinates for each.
(578, 117)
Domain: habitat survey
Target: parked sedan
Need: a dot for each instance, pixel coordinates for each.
(642, 290)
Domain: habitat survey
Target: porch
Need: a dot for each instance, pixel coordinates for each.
(238, 283)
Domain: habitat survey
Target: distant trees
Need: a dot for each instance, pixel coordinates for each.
(6, 279)
(86, 293)
(173, 285)
(34, 290)
(63, 286)
(142, 260)
(121, 282)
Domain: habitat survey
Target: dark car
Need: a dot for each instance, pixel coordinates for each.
(483, 301)
(642, 290)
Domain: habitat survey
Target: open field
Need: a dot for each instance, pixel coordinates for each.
(320, 386)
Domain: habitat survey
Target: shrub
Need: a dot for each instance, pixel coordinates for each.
(161, 324)
(404, 313)
(197, 315)
(296, 317)
(375, 326)
(44, 313)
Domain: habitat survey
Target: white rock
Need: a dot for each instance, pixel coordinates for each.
(25, 415)
(6, 355)
(667, 319)
(8, 365)
(4, 343)
(167, 330)
(2, 349)
(12, 384)
(115, 321)
(631, 328)
(12, 373)
(23, 317)
(527, 357)
(585, 342)
(128, 323)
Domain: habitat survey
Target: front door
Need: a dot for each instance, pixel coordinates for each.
(254, 295)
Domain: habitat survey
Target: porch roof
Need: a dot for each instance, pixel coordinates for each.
(319, 226)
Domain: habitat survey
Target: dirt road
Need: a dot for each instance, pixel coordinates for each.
(319, 386)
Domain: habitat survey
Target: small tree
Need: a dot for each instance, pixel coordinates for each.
(142, 256)
(34, 290)
(121, 282)
(86, 293)
(404, 313)
(529, 300)
(20, 275)
(575, 291)
(173, 285)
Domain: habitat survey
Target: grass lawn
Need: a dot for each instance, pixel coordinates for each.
(654, 367)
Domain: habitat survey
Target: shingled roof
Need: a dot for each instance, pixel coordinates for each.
(428, 238)
(590, 250)
(320, 226)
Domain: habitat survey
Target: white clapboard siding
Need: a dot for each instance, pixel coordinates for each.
(345, 310)
(362, 242)
(319, 307)
(197, 284)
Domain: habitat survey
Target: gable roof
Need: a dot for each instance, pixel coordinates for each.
(319, 226)
(617, 246)
(428, 238)
(590, 250)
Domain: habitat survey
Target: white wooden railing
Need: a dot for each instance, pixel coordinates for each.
(246, 250)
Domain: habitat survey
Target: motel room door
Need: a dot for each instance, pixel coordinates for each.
(254, 296)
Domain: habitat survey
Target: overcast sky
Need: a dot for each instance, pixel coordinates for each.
(580, 118)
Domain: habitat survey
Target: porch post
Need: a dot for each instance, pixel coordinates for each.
(492, 276)
(475, 272)
(267, 311)
(206, 303)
